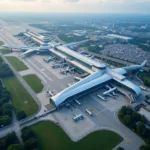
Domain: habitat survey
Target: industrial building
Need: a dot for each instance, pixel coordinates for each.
(121, 37)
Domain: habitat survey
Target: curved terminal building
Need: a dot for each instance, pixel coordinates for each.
(95, 80)
(99, 72)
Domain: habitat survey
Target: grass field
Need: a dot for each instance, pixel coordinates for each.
(34, 82)
(52, 137)
(16, 63)
(21, 99)
(4, 51)
(1, 43)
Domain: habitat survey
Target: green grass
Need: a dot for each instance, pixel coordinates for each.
(21, 99)
(34, 82)
(16, 63)
(4, 51)
(52, 137)
(1, 43)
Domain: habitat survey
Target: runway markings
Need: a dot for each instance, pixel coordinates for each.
(101, 111)
(40, 70)
(128, 141)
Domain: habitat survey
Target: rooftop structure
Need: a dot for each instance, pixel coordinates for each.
(99, 72)
(119, 37)
(40, 39)
(100, 77)
(80, 57)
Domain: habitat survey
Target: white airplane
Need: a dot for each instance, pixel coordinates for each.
(88, 55)
(43, 48)
(77, 102)
(110, 91)
(51, 58)
(101, 97)
(89, 112)
(20, 48)
(109, 87)
(61, 65)
(73, 44)
(77, 78)
(51, 93)
(82, 52)
(69, 69)
(92, 57)
(77, 117)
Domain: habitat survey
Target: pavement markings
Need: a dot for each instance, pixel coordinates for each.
(128, 141)
(40, 70)
(101, 111)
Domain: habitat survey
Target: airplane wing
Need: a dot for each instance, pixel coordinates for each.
(28, 52)
(75, 43)
(81, 86)
(129, 68)
(14, 47)
(130, 85)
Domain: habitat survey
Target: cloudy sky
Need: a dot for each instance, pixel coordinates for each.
(92, 6)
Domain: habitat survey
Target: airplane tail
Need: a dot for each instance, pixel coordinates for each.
(135, 67)
(144, 63)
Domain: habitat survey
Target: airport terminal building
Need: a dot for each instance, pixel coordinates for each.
(95, 81)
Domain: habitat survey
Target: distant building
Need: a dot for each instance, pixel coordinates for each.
(126, 38)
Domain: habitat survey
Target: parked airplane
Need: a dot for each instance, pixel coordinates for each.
(110, 91)
(82, 52)
(89, 112)
(61, 65)
(92, 57)
(77, 78)
(77, 117)
(51, 93)
(77, 102)
(69, 69)
(109, 87)
(143, 88)
(51, 58)
(101, 97)
(23, 48)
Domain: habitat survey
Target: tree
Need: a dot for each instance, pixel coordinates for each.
(11, 138)
(27, 133)
(16, 147)
(136, 116)
(120, 148)
(143, 119)
(21, 115)
(2, 144)
(7, 106)
(6, 120)
(145, 147)
(123, 110)
(127, 119)
(7, 112)
(141, 129)
(31, 144)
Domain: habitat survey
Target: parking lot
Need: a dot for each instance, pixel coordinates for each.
(127, 52)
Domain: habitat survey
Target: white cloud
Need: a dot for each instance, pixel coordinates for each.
(125, 6)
